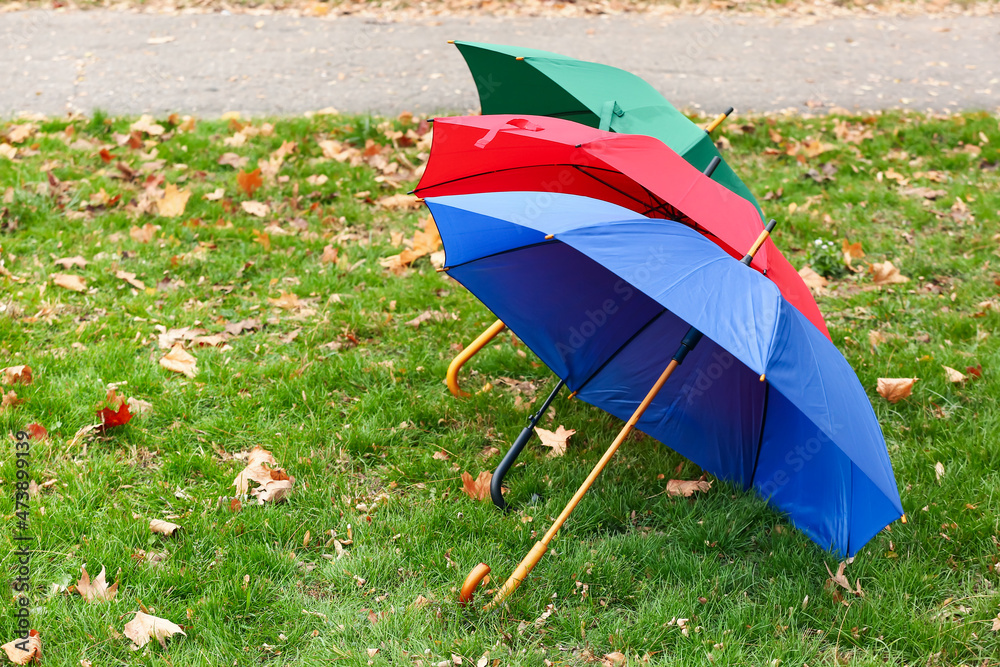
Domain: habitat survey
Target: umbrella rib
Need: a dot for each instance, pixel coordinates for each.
(620, 348)
(584, 171)
(480, 174)
(760, 438)
(502, 252)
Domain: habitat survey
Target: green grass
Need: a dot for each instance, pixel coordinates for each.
(359, 435)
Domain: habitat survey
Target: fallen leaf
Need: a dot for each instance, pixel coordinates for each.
(117, 413)
(69, 281)
(139, 407)
(179, 361)
(840, 579)
(687, 488)
(144, 627)
(895, 389)
(255, 208)
(557, 439)
(975, 371)
(214, 195)
(10, 400)
(163, 527)
(173, 202)
(249, 181)
(130, 279)
(851, 251)
(996, 623)
(938, 471)
(96, 591)
(615, 658)
(954, 376)
(144, 234)
(23, 651)
(317, 179)
(886, 274)
(876, 338)
(399, 202)
(441, 455)
(329, 255)
(16, 375)
(148, 125)
(70, 262)
(233, 160)
(273, 483)
(478, 488)
(287, 301)
(812, 279)
(36, 431)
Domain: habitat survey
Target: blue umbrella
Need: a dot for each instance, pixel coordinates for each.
(764, 400)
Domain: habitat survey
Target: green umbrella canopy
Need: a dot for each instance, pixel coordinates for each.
(516, 80)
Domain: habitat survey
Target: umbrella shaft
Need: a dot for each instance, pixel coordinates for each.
(629, 425)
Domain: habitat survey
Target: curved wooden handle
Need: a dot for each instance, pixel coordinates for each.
(472, 581)
(468, 353)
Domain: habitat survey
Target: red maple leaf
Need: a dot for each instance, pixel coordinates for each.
(110, 417)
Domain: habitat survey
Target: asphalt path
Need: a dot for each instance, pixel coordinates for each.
(208, 64)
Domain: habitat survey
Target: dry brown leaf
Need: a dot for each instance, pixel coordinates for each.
(557, 439)
(478, 488)
(144, 234)
(23, 651)
(885, 273)
(287, 301)
(139, 407)
(938, 471)
(812, 279)
(144, 627)
(399, 202)
(996, 623)
(895, 389)
(233, 160)
(273, 483)
(9, 400)
(130, 279)
(876, 338)
(96, 591)
(162, 527)
(69, 281)
(687, 488)
(16, 375)
(954, 376)
(215, 340)
(441, 455)
(173, 202)
(329, 255)
(179, 361)
(840, 579)
(255, 208)
(614, 658)
(70, 262)
(148, 125)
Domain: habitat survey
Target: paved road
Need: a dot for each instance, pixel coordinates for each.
(212, 63)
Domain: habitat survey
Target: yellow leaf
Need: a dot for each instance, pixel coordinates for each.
(173, 202)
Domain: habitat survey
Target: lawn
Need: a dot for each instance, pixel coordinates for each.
(315, 337)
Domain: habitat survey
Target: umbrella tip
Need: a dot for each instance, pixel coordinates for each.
(549, 237)
(903, 518)
(519, 58)
(451, 41)
(763, 377)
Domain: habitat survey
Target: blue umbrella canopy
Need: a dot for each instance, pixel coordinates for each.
(603, 296)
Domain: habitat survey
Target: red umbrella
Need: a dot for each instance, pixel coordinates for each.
(507, 153)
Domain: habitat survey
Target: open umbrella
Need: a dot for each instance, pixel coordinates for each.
(508, 152)
(516, 80)
(764, 400)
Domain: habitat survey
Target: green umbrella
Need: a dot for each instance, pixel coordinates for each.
(512, 79)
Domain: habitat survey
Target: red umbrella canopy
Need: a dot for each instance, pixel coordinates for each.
(506, 153)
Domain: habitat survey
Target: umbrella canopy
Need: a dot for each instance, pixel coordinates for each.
(509, 152)
(512, 79)
(620, 292)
